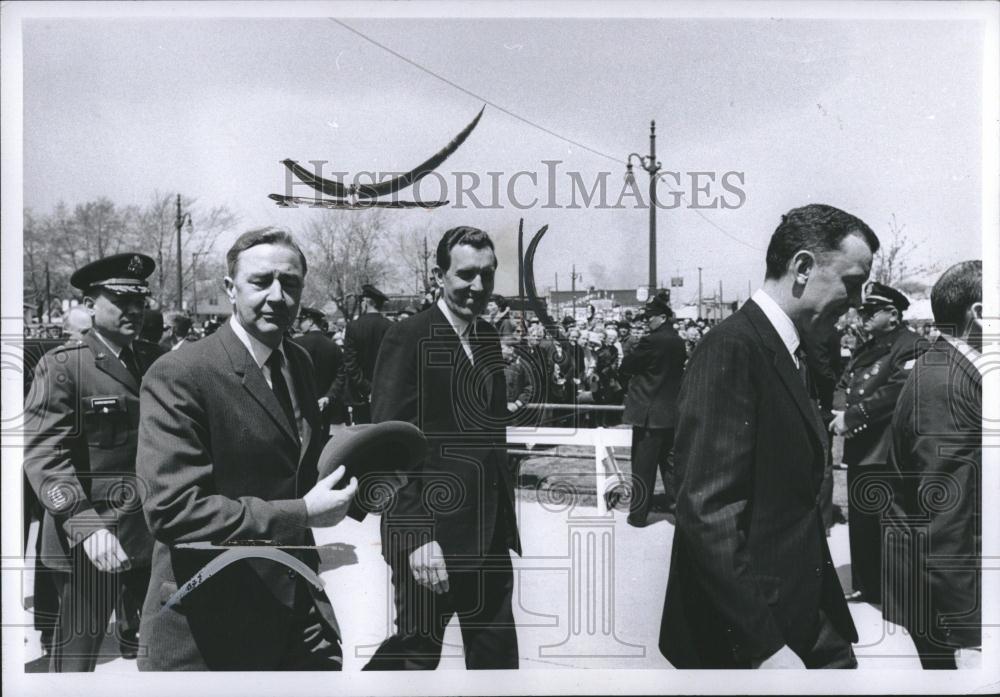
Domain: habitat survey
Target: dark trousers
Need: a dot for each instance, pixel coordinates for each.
(86, 599)
(829, 649)
(865, 529)
(222, 632)
(361, 413)
(934, 656)
(479, 595)
(651, 451)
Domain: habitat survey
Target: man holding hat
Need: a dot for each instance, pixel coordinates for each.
(655, 368)
(362, 340)
(80, 458)
(872, 382)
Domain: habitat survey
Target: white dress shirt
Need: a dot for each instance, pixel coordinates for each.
(781, 322)
(261, 353)
(460, 325)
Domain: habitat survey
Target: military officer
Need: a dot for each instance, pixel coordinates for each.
(80, 459)
(872, 382)
(362, 340)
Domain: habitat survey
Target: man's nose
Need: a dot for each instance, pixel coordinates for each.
(477, 284)
(275, 292)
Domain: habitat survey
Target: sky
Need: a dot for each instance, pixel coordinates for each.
(878, 117)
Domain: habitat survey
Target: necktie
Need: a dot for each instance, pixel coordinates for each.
(804, 369)
(280, 387)
(128, 358)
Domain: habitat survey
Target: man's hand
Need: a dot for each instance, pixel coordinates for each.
(511, 407)
(323, 402)
(969, 658)
(838, 426)
(427, 567)
(105, 551)
(783, 659)
(326, 506)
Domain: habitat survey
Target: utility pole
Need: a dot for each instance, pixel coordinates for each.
(48, 293)
(573, 278)
(720, 299)
(180, 274)
(652, 167)
(520, 262)
(699, 291)
(427, 275)
(557, 281)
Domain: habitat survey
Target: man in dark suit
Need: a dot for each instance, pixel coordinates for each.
(80, 458)
(933, 538)
(228, 450)
(653, 369)
(362, 339)
(327, 362)
(872, 382)
(448, 532)
(751, 580)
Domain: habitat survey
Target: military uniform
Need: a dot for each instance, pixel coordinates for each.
(872, 382)
(362, 340)
(83, 416)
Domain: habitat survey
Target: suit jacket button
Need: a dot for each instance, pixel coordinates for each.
(819, 570)
(291, 574)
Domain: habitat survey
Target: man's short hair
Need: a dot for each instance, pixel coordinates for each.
(474, 237)
(180, 322)
(816, 228)
(958, 288)
(264, 235)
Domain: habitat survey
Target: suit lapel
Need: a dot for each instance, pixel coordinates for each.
(254, 382)
(787, 371)
(303, 395)
(108, 363)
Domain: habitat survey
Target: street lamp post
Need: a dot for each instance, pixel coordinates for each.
(180, 274)
(652, 166)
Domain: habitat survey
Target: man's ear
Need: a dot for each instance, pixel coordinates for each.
(802, 265)
(230, 287)
(88, 303)
(438, 275)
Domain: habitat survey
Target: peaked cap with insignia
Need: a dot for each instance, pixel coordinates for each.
(879, 295)
(122, 274)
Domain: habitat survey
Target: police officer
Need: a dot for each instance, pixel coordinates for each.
(872, 382)
(362, 340)
(328, 363)
(83, 411)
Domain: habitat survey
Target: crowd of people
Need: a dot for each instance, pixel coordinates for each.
(192, 442)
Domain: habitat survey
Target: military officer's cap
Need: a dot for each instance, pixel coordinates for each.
(311, 313)
(122, 274)
(879, 295)
(370, 291)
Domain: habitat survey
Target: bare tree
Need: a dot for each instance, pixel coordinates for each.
(894, 262)
(156, 232)
(416, 259)
(345, 252)
(65, 240)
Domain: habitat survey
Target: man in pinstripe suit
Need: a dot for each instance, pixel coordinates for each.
(751, 581)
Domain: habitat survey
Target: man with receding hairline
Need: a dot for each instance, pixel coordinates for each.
(751, 581)
(228, 449)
